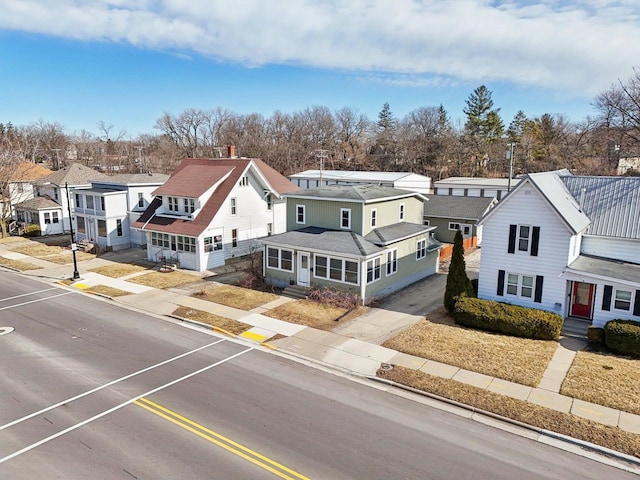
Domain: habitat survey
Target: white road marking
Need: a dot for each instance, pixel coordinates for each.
(27, 294)
(113, 382)
(36, 301)
(118, 407)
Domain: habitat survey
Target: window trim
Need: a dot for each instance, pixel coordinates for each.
(520, 238)
(348, 218)
(401, 212)
(374, 218)
(392, 262)
(279, 258)
(614, 300)
(520, 286)
(376, 269)
(301, 211)
(343, 269)
(119, 228)
(421, 249)
(425, 221)
(234, 238)
(140, 200)
(233, 205)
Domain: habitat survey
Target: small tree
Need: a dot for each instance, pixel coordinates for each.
(457, 281)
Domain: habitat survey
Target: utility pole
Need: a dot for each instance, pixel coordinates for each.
(322, 155)
(139, 149)
(57, 150)
(74, 245)
(511, 146)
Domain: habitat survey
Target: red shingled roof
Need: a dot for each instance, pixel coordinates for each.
(189, 180)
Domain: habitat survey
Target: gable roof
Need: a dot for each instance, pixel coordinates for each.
(611, 203)
(43, 202)
(197, 175)
(354, 193)
(27, 172)
(74, 174)
(451, 206)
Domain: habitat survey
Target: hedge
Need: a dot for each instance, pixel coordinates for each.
(32, 231)
(507, 319)
(595, 335)
(623, 336)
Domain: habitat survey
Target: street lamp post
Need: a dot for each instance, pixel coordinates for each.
(74, 245)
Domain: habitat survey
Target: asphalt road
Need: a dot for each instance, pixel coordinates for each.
(91, 390)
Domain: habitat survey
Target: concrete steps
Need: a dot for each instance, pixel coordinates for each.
(296, 291)
(575, 327)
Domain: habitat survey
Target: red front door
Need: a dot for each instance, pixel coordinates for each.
(582, 299)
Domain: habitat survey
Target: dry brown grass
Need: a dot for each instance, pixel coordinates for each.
(559, 422)
(311, 314)
(67, 257)
(514, 359)
(118, 270)
(17, 264)
(238, 297)
(106, 290)
(227, 324)
(606, 380)
(38, 250)
(11, 239)
(165, 280)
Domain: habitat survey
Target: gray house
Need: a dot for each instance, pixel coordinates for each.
(451, 213)
(368, 240)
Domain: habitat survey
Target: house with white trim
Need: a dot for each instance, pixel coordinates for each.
(368, 240)
(403, 180)
(567, 244)
(475, 186)
(213, 209)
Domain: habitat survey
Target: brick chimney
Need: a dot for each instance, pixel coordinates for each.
(231, 151)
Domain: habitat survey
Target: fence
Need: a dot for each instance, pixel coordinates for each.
(447, 250)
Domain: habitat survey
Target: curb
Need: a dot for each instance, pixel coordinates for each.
(541, 431)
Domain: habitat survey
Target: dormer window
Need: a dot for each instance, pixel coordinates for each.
(173, 204)
(189, 205)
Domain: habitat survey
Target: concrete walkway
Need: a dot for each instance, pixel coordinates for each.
(354, 347)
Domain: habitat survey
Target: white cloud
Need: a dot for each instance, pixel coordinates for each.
(579, 46)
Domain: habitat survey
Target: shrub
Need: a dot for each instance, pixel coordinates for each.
(458, 283)
(596, 335)
(623, 336)
(507, 319)
(32, 231)
(335, 297)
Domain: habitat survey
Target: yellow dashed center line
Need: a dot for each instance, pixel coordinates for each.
(222, 441)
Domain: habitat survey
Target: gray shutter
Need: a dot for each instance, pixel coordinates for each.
(512, 238)
(606, 297)
(535, 238)
(500, 283)
(537, 296)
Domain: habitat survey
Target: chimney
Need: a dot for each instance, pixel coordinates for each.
(231, 151)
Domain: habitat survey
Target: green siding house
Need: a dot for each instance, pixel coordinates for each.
(366, 239)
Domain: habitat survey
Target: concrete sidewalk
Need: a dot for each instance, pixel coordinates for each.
(353, 347)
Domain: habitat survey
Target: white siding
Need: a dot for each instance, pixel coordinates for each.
(619, 248)
(525, 207)
(600, 317)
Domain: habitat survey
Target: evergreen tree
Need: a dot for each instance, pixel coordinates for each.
(385, 145)
(516, 127)
(458, 282)
(483, 121)
(386, 120)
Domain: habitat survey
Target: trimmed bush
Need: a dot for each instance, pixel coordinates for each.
(32, 231)
(507, 319)
(595, 335)
(458, 283)
(623, 336)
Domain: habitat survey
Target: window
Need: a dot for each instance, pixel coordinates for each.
(54, 217)
(160, 239)
(464, 228)
(269, 202)
(119, 227)
(524, 232)
(186, 244)
(89, 200)
(521, 285)
(280, 259)
(401, 213)
(373, 270)
(269, 228)
(78, 198)
(336, 269)
(140, 200)
(212, 244)
(55, 193)
(374, 217)
(392, 262)
(189, 205)
(102, 228)
(80, 225)
(173, 204)
(425, 221)
(421, 249)
(300, 217)
(622, 300)
(244, 181)
(102, 203)
(47, 217)
(345, 218)
(234, 237)
(234, 206)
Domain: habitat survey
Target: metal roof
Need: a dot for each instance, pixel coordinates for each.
(355, 193)
(606, 267)
(330, 241)
(135, 178)
(357, 175)
(611, 203)
(452, 206)
(458, 182)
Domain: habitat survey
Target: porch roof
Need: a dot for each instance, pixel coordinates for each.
(38, 203)
(323, 240)
(605, 267)
(396, 232)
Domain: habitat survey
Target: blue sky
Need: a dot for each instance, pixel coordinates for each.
(126, 62)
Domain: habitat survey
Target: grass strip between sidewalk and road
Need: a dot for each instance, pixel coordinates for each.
(237, 297)
(17, 264)
(227, 324)
(118, 270)
(564, 423)
(172, 279)
(107, 290)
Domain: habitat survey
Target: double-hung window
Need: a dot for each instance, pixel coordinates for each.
(78, 200)
(234, 206)
(622, 300)
(392, 262)
(524, 235)
(421, 249)
(345, 218)
(374, 217)
(520, 285)
(300, 214)
(173, 204)
(401, 212)
(140, 200)
(234, 237)
(280, 259)
(189, 205)
(373, 270)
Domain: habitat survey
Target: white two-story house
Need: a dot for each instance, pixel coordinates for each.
(213, 209)
(567, 244)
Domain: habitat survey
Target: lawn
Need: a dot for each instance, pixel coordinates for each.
(238, 297)
(165, 280)
(11, 239)
(559, 422)
(118, 270)
(606, 380)
(106, 290)
(510, 358)
(38, 250)
(312, 314)
(67, 257)
(17, 264)
(227, 324)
